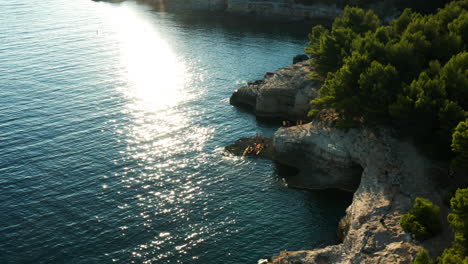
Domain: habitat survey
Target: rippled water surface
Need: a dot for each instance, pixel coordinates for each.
(113, 120)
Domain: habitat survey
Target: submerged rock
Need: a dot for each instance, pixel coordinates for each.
(284, 94)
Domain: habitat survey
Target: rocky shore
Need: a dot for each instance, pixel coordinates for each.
(393, 174)
(386, 174)
(284, 93)
(238, 147)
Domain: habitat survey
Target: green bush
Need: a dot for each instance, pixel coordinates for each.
(458, 253)
(422, 258)
(460, 145)
(459, 220)
(422, 220)
(451, 256)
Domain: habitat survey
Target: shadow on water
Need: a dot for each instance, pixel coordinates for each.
(242, 24)
(284, 171)
(266, 122)
(331, 203)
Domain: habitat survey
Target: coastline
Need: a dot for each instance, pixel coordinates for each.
(272, 9)
(389, 174)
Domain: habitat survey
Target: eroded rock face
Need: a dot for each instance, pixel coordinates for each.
(285, 93)
(322, 157)
(394, 173)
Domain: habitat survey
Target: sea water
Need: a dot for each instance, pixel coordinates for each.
(113, 120)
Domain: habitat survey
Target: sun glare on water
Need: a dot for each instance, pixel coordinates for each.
(155, 75)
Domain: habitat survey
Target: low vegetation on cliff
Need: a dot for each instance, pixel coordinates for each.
(422, 221)
(411, 74)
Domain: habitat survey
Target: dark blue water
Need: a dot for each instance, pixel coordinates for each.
(113, 120)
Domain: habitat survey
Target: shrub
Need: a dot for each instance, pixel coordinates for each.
(460, 145)
(459, 220)
(422, 258)
(451, 256)
(422, 220)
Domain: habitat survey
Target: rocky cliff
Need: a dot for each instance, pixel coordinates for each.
(386, 174)
(321, 155)
(200, 5)
(285, 93)
(394, 173)
(282, 8)
(285, 9)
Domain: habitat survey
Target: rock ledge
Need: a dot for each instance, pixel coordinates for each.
(284, 94)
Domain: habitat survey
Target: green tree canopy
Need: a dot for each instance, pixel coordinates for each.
(412, 73)
(459, 222)
(460, 144)
(422, 258)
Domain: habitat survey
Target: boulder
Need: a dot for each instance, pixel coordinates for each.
(238, 147)
(300, 58)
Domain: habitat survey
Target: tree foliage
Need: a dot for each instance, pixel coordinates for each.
(412, 73)
(422, 220)
(460, 144)
(356, 19)
(459, 220)
(458, 253)
(451, 256)
(422, 258)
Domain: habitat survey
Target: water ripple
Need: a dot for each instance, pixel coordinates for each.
(113, 120)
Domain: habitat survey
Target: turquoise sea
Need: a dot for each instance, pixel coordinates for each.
(113, 119)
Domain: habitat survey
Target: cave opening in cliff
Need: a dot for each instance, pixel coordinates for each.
(284, 171)
(310, 177)
(331, 202)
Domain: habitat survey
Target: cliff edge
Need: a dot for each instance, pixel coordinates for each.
(385, 173)
(393, 175)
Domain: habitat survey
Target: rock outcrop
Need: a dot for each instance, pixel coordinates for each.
(322, 157)
(394, 173)
(284, 94)
(238, 147)
(300, 58)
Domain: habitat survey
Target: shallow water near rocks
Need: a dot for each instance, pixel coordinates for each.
(113, 120)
